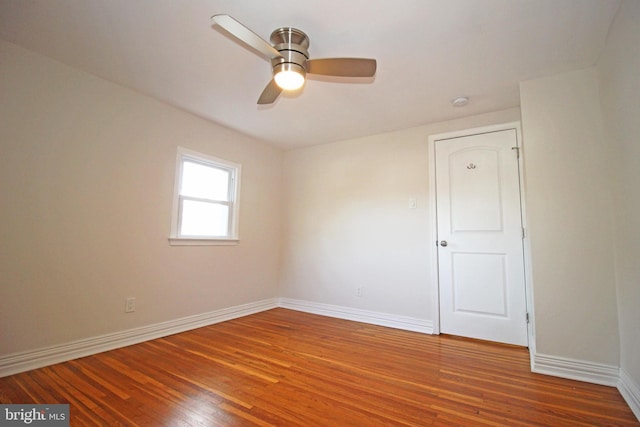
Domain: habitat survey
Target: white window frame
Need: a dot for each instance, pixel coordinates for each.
(232, 238)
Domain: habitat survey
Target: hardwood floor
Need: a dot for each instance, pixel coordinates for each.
(285, 368)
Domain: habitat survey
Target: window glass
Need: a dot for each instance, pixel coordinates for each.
(204, 219)
(204, 181)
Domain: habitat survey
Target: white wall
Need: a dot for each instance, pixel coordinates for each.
(348, 223)
(619, 77)
(86, 185)
(570, 218)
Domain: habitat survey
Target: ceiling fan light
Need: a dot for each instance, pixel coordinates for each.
(289, 76)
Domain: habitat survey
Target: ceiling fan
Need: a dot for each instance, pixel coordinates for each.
(290, 59)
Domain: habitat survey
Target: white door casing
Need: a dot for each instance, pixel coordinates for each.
(479, 235)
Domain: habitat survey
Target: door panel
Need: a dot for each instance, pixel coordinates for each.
(474, 193)
(469, 269)
(480, 255)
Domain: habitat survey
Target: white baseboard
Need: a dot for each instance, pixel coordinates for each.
(25, 361)
(573, 369)
(365, 316)
(630, 390)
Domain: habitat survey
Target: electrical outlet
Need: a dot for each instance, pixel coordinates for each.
(130, 305)
(360, 291)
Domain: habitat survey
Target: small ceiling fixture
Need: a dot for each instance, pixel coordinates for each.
(460, 101)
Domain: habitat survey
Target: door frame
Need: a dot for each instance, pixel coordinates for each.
(433, 225)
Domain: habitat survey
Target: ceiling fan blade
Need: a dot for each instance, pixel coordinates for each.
(245, 35)
(270, 93)
(342, 67)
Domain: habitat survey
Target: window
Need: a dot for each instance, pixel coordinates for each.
(205, 200)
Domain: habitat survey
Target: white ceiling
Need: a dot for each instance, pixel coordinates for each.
(428, 52)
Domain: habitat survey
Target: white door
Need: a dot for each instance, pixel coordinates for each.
(480, 250)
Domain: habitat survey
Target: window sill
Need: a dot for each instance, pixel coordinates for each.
(183, 241)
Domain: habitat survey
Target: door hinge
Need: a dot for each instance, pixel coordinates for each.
(527, 317)
(517, 151)
(523, 233)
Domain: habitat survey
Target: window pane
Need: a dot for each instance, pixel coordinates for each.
(204, 219)
(205, 182)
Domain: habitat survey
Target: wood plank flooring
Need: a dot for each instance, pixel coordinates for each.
(287, 368)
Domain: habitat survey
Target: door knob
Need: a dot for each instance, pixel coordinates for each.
(443, 243)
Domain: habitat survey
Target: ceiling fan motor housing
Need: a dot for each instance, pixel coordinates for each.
(292, 45)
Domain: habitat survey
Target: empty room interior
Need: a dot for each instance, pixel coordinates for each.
(439, 227)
